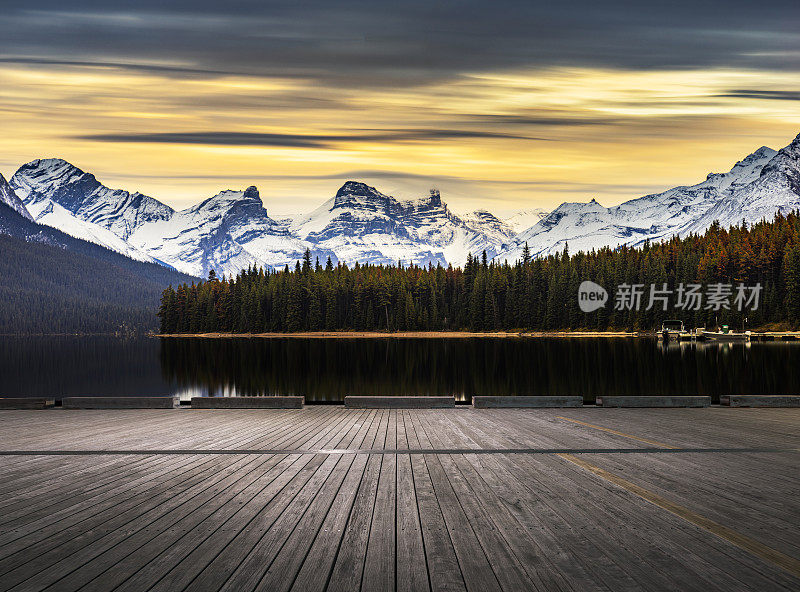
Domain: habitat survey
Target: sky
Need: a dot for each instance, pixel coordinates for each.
(501, 105)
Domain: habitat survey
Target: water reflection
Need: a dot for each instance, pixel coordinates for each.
(325, 370)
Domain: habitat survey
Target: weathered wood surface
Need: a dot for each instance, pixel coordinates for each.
(760, 400)
(359, 402)
(266, 402)
(654, 401)
(26, 402)
(327, 498)
(118, 402)
(490, 402)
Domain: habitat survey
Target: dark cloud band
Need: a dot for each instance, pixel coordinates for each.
(360, 43)
(773, 95)
(299, 140)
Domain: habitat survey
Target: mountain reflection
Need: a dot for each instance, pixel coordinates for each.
(328, 369)
(325, 370)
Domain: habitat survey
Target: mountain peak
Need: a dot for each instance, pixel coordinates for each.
(251, 193)
(356, 188)
(355, 192)
(54, 167)
(229, 198)
(793, 147)
(765, 152)
(9, 198)
(44, 175)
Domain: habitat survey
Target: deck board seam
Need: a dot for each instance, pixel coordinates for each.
(395, 451)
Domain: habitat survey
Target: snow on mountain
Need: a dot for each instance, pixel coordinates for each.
(524, 219)
(9, 198)
(775, 188)
(362, 224)
(51, 214)
(228, 232)
(58, 194)
(81, 194)
(759, 186)
(232, 230)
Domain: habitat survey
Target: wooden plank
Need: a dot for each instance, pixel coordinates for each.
(443, 568)
(26, 402)
(348, 568)
(318, 532)
(267, 402)
(357, 402)
(488, 402)
(701, 565)
(188, 575)
(178, 564)
(82, 474)
(379, 568)
(544, 506)
(308, 547)
(654, 401)
(31, 576)
(84, 514)
(113, 567)
(761, 400)
(407, 521)
(118, 402)
(508, 571)
(412, 575)
(312, 498)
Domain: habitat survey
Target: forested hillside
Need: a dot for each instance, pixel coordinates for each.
(54, 283)
(533, 294)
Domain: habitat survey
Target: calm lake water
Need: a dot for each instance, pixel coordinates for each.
(325, 370)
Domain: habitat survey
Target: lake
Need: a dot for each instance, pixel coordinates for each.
(325, 370)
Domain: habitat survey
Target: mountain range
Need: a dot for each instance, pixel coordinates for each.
(232, 230)
(759, 186)
(56, 283)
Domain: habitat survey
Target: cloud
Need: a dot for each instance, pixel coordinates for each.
(118, 65)
(775, 95)
(361, 43)
(542, 120)
(321, 141)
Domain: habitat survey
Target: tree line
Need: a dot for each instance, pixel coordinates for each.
(531, 294)
(50, 289)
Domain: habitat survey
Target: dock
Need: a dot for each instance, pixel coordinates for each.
(327, 498)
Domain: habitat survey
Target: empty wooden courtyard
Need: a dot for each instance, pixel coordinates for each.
(328, 498)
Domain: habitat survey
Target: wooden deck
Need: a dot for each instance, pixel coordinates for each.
(327, 498)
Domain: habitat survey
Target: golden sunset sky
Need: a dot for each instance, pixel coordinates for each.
(502, 106)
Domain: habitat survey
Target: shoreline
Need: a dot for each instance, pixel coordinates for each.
(401, 335)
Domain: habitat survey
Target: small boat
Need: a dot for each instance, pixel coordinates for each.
(725, 334)
(671, 329)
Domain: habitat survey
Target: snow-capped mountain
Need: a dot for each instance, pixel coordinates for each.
(232, 230)
(524, 219)
(362, 224)
(54, 180)
(9, 198)
(227, 233)
(62, 196)
(761, 185)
